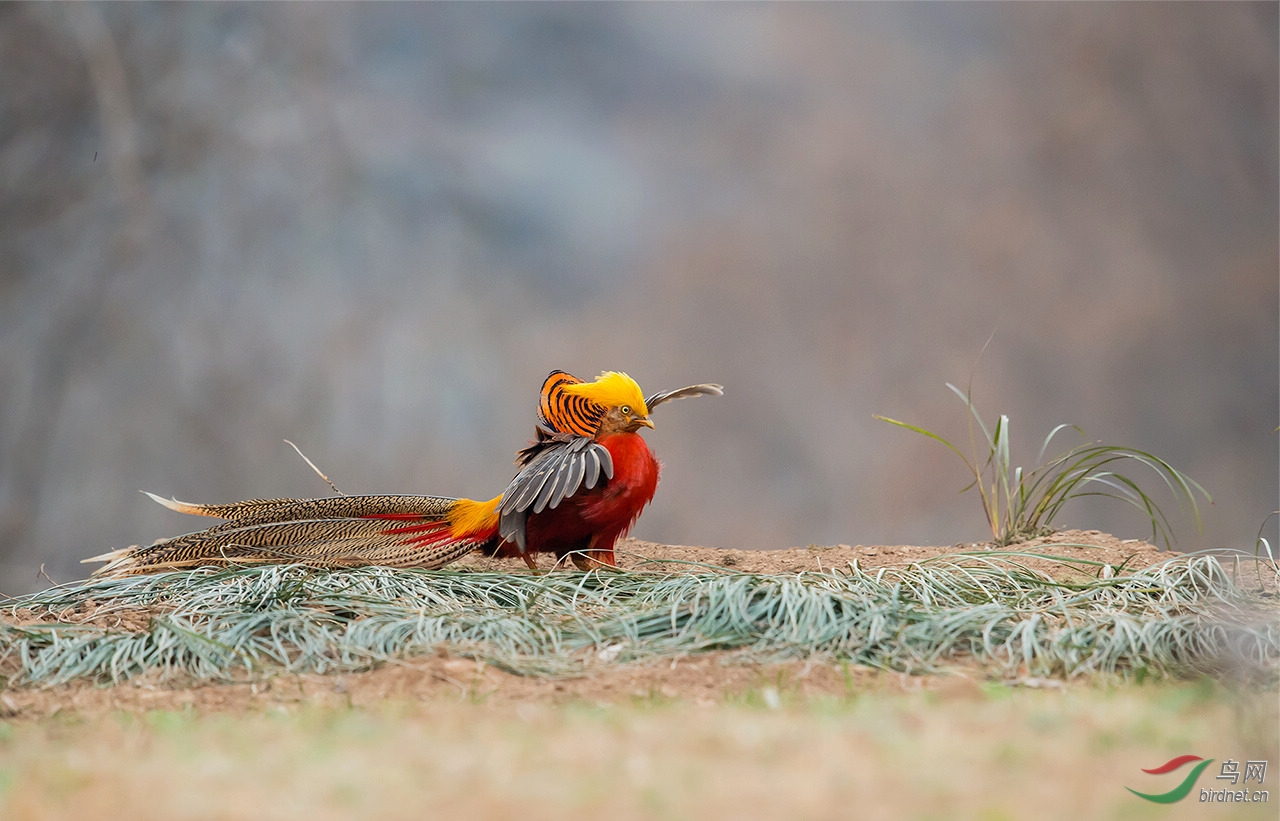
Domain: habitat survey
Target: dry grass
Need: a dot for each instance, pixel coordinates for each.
(1181, 617)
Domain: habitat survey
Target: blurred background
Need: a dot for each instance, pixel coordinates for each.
(374, 229)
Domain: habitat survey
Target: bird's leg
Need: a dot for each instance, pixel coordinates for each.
(594, 558)
(529, 559)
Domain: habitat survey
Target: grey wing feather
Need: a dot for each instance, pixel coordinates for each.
(567, 479)
(708, 389)
(542, 479)
(591, 467)
(511, 528)
(576, 472)
(548, 490)
(525, 486)
(554, 492)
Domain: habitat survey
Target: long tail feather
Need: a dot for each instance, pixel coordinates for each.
(333, 507)
(342, 531)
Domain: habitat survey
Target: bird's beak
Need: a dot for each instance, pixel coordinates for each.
(643, 420)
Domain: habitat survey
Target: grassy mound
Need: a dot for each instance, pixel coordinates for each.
(1181, 617)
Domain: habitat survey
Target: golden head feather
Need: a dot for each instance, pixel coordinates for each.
(612, 389)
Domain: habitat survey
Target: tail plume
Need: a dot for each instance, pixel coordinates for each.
(341, 531)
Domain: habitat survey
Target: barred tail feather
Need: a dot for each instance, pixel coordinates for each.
(230, 511)
(341, 531)
(258, 511)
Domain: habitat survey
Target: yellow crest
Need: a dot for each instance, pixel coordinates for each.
(611, 389)
(569, 405)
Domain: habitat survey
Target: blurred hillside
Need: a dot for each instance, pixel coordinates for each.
(374, 229)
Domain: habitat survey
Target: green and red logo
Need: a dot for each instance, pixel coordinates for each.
(1179, 792)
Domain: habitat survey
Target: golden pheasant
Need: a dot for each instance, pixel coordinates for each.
(581, 485)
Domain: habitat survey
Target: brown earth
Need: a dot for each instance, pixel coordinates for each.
(1092, 545)
(705, 678)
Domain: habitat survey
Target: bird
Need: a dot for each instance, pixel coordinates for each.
(580, 485)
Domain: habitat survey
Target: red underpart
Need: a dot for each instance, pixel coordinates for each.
(593, 520)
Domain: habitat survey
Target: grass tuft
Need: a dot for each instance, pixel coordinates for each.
(1021, 505)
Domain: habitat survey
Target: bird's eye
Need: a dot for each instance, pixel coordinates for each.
(626, 410)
